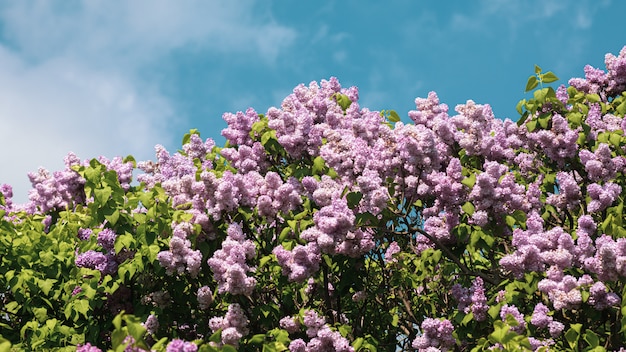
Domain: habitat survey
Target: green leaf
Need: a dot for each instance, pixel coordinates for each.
(518, 107)
(318, 166)
(469, 181)
(393, 116)
(531, 84)
(593, 98)
(591, 338)
(572, 335)
(113, 217)
(102, 195)
(353, 199)
(468, 208)
(549, 77)
(537, 69)
(229, 348)
(621, 108)
(257, 339)
(531, 125)
(5, 345)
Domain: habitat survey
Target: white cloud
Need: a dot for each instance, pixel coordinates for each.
(74, 75)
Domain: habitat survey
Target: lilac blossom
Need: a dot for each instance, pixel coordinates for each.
(87, 348)
(300, 263)
(106, 240)
(59, 190)
(239, 127)
(180, 257)
(151, 324)
(178, 345)
(233, 324)
(435, 333)
(105, 263)
(322, 338)
(514, 312)
(290, 324)
(229, 263)
(602, 196)
(391, 250)
(600, 299)
(205, 297)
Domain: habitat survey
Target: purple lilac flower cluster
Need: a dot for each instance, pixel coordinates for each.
(322, 338)
(105, 262)
(87, 348)
(300, 263)
(472, 299)
(514, 312)
(541, 319)
(58, 190)
(180, 257)
(229, 263)
(437, 334)
(290, 324)
(233, 324)
(205, 297)
(607, 84)
(178, 345)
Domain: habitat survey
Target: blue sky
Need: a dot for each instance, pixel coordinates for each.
(118, 77)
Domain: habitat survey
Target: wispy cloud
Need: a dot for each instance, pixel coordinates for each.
(75, 77)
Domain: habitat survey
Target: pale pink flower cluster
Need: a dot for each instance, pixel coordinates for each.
(229, 266)
(180, 257)
(322, 338)
(234, 325)
(436, 334)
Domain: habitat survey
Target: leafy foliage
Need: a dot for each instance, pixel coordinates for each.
(323, 226)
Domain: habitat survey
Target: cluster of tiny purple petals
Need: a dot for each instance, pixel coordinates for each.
(247, 158)
(229, 266)
(541, 319)
(290, 324)
(234, 325)
(87, 348)
(151, 324)
(58, 190)
(332, 224)
(495, 192)
(481, 134)
(91, 259)
(600, 299)
(239, 127)
(602, 196)
(84, 234)
(536, 248)
(180, 257)
(558, 143)
(7, 193)
(609, 260)
(393, 248)
(569, 194)
(124, 170)
(519, 317)
(564, 291)
(300, 263)
(178, 345)
(607, 84)
(205, 297)
(322, 338)
(472, 299)
(436, 333)
(600, 165)
(106, 239)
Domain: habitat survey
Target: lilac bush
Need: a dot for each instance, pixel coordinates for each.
(322, 225)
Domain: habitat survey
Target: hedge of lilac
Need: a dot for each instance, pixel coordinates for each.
(323, 226)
